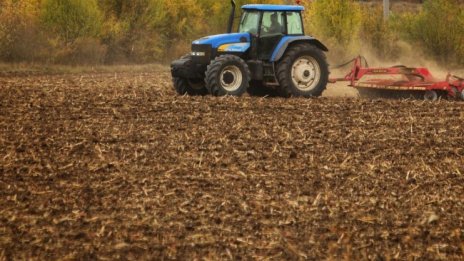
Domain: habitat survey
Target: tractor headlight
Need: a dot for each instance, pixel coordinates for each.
(198, 53)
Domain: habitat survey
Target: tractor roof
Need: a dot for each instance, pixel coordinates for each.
(273, 7)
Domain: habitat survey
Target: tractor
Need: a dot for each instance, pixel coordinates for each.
(270, 50)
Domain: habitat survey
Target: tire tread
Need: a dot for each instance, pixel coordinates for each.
(182, 87)
(214, 68)
(283, 75)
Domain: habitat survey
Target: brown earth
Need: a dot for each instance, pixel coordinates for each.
(115, 166)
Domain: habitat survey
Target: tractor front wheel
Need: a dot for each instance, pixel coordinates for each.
(303, 71)
(227, 75)
(189, 86)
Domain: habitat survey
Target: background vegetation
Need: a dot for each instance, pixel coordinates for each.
(434, 31)
(146, 31)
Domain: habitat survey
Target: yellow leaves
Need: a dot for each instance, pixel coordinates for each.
(72, 20)
(181, 19)
(16, 17)
(142, 30)
(438, 28)
(334, 19)
(156, 30)
(18, 12)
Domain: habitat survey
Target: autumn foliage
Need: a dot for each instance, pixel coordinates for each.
(147, 31)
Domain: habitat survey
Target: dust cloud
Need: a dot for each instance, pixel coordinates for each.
(409, 56)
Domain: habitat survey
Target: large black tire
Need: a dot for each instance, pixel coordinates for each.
(189, 86)
(299, 53)
(227, 75)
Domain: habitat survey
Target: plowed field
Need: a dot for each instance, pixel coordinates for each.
(116, 166)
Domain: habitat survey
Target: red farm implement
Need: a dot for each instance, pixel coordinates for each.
(401, 81)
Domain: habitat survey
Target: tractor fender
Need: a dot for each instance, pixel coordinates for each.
(287, 40)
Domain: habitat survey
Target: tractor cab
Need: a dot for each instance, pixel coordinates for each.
(269, 50)
(268, 24)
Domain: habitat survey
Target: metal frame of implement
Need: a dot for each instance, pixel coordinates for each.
(412, 79)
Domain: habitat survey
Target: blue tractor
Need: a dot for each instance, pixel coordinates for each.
(269, 50)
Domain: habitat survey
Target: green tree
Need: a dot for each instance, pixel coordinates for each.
(71, 20)
(438, 28)
(147, 30)
(131, 30)
(378, 34)
(20, 37)
(334, 20)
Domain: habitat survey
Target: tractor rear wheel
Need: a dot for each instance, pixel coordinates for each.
(189, 86)
(303, 71)
(227, 75)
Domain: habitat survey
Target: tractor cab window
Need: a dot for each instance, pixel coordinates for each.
(249, 22)
(272, 23)
(272, 31)
(294, 24)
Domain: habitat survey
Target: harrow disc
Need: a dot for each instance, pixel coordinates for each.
(461, 94)
(371, 93)
(431, 96)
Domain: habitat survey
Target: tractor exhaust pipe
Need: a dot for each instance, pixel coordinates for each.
(231, 18)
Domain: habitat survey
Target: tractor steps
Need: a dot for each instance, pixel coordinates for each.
(269, 75)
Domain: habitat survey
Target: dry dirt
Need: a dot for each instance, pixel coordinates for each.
(115, 166)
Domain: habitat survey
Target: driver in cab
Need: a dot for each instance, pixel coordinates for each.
(275, 27)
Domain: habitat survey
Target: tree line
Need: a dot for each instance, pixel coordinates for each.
(147, 31)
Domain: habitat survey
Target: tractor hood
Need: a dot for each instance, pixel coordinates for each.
(217, 40)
